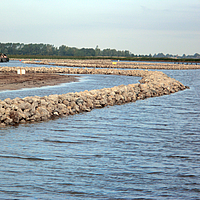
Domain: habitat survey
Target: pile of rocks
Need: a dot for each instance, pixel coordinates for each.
(34, 109)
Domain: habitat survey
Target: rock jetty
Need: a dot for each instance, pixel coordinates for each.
(107, 63)
(35, 109)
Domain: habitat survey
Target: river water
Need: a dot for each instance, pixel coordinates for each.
(149, 149)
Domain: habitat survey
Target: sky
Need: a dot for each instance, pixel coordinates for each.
(140, 26)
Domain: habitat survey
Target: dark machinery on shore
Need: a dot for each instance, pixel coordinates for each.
(4, 58)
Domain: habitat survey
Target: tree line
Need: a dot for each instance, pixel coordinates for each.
(51, 50)
(48, 50)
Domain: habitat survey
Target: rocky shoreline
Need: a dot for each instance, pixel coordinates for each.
(35, 109)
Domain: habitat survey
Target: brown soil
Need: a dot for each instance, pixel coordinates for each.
(12, 81)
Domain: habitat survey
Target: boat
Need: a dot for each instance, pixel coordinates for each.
(4, 58)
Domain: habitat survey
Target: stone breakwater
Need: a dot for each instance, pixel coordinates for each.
(107, 63)
(35, 109)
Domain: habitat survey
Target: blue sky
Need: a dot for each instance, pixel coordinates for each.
(140, 26)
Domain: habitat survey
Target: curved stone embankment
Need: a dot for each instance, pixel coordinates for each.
(35, 109)
(104, 63)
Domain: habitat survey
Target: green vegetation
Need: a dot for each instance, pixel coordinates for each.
(48, 51)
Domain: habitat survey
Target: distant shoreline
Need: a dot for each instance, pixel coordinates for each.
(171, 60)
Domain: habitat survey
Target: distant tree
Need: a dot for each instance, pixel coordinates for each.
(127, 54)
(62, 50)
(196, 55)
(159, 55)
(97, 51)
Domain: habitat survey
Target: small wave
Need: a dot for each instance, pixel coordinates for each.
(24, 158)
(60, 141)
(177, 156)
(186, 175)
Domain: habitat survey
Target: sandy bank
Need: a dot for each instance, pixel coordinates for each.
(14, 81)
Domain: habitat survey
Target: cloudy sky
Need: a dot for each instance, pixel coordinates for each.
(140, 26)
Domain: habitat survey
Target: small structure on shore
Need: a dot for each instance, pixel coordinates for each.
(21, 71)
(4, 58)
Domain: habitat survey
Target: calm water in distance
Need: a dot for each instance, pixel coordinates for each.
(149, 149)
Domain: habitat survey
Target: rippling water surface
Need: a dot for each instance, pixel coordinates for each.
(143, 150)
